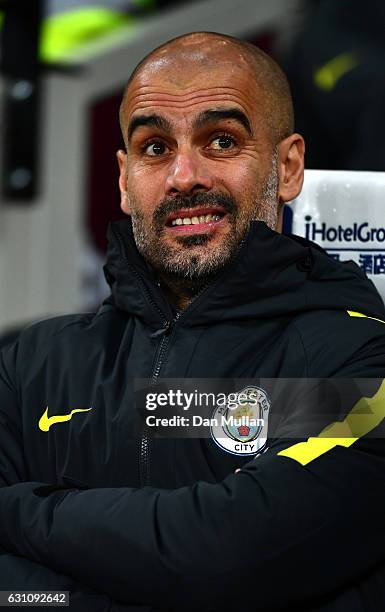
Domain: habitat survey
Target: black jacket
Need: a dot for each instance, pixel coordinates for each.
(278, 535)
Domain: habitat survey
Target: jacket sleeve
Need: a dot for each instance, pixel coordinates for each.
(16, 571)
(20, 574)
(311, 517)
(316, 527)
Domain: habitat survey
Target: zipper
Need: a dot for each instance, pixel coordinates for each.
(165, 332)
(145, 449)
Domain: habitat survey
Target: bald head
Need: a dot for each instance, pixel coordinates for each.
(202, 50)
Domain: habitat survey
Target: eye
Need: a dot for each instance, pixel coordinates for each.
(223, 143)
(154, 149)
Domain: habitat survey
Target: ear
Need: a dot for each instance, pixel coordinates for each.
(291, 152)
(122, 161)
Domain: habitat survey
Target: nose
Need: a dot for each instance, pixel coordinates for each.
(188, 174)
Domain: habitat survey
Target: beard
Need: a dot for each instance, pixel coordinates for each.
(195, 260)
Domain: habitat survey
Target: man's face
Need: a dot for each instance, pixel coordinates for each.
(200, 165)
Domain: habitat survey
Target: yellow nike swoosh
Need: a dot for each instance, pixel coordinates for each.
(46, 421)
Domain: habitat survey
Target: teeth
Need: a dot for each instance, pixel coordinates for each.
(195, 220)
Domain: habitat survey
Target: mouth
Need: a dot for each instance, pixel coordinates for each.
(196, 220)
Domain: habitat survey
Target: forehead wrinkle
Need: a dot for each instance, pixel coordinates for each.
(151, 103)
(185, 94)
(192, 101)
(147, 101)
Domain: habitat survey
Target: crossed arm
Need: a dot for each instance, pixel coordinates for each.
(196, 547)
(19, 571)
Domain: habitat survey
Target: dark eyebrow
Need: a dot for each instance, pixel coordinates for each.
(152, 120)
(220, 114)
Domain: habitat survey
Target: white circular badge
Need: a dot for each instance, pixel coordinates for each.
(239, 426)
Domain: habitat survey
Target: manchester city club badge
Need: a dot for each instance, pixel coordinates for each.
(239, 426)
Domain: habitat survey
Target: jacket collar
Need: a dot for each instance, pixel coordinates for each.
(272, 275)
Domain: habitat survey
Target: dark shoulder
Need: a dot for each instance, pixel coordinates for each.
(74, 330)
(46, 329)
(334, 339)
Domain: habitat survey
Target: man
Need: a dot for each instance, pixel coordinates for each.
(203, 286)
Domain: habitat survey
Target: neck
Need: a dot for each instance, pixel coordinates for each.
(181, 291)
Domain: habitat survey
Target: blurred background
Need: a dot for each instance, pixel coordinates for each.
(64, 64)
